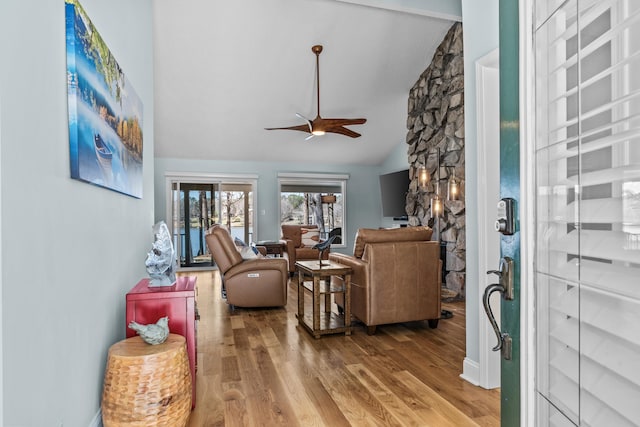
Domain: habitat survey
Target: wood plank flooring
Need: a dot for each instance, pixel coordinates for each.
(257, 367)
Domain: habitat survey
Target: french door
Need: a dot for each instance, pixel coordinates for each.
(196, 208)
(587, 215)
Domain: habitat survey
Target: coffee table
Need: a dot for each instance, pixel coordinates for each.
(323, 322)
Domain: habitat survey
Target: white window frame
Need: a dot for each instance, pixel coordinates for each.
(318, 179)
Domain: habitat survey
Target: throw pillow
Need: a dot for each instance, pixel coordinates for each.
(242, 247)
(246, 252)
(310, 236)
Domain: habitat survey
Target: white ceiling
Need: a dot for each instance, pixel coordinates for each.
(225, 70)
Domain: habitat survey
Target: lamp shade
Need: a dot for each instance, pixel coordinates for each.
(453, 188)
(436, 206)
(423, 177)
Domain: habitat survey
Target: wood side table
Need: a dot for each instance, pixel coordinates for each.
(323, 322)
(273, 247)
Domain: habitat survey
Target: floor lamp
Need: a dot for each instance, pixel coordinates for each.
(437, 204)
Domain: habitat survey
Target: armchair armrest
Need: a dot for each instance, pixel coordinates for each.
(359, 267)
(359, 283)
(289, 247)
(289, 253)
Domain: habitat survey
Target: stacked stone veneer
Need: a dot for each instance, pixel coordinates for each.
(436, 121)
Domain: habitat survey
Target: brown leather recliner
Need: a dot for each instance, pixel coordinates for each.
(294, 249)
(396, 276)
(259, 282)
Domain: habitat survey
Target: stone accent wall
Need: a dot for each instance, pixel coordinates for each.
(436, 121)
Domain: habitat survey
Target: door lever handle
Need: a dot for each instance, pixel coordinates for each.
(504, 340)
(505, 274)
(506, 288)
(495, 287)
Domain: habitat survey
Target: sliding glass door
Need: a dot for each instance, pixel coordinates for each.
(195, 203)
(197, 209)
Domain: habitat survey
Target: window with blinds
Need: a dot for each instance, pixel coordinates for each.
(587, 267)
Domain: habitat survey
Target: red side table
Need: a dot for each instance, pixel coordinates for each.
(148, 304)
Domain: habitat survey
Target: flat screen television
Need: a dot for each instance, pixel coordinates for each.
(393, 189)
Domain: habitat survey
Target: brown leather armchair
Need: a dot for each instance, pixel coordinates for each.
(396, 276)
(294, 249)
(259, 282)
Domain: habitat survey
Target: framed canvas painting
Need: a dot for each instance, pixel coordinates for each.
(105, 113)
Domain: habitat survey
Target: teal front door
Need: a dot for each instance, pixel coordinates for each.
(510, 189)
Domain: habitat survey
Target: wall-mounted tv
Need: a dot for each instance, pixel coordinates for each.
(393, 189)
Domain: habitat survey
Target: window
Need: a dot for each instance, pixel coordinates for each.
(318, 199)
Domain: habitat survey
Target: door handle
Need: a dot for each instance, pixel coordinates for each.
(505, 274)
(505, 287)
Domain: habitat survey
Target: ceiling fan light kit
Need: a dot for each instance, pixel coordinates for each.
(320, 126)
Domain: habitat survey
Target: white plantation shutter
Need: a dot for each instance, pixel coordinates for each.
(588, 212)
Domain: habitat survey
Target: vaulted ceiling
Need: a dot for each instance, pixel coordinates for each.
(225, 70)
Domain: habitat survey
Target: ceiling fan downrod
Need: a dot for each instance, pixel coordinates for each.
(317, 49)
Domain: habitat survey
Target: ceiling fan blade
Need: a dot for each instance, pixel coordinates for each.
(303, 128)
(307, 120)
(300, 116)
(336, 125)
(343, 131)
(360, 121)
(341, 122)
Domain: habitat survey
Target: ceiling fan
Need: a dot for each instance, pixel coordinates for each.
(319, 125)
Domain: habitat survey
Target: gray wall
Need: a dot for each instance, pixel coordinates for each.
(363, 190)
(70, 250)
(480, 34)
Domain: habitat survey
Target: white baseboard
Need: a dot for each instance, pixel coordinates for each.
(470, 371)
(97, 420)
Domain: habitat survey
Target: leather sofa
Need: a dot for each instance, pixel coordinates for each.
(259, 282)
(294, 249)
(396, 276)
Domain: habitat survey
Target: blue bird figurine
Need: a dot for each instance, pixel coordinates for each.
(323, 246)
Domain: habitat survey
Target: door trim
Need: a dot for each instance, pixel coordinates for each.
(1, 290)
(488, 360)
(527, 213)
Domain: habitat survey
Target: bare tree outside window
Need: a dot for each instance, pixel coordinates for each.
(314, 200)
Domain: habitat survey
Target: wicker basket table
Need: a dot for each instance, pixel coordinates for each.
(147, 385)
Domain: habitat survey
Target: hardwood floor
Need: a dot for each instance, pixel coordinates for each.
(257, 367)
